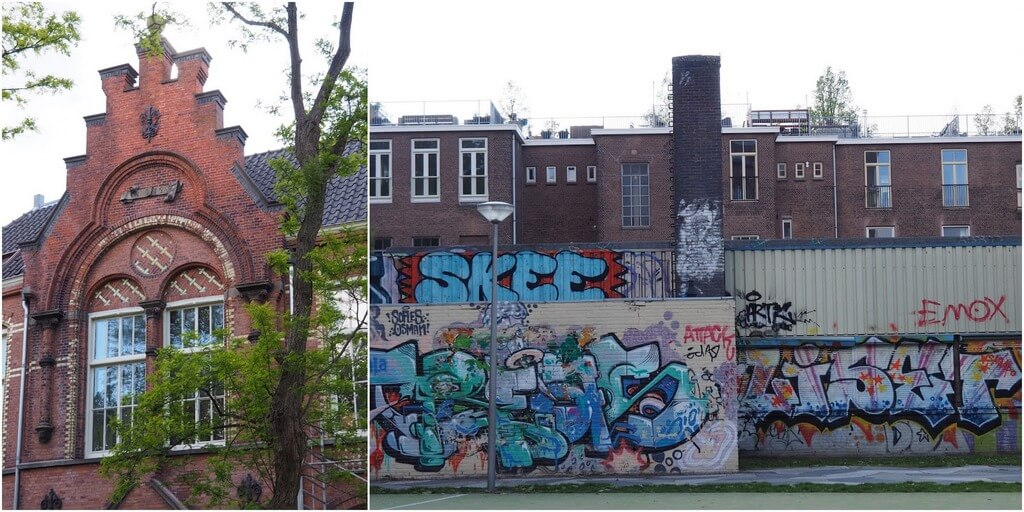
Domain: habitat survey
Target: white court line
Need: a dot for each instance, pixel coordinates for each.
(424, 502)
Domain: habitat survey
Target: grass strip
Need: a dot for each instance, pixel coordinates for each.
(977, 486)
(942, 461)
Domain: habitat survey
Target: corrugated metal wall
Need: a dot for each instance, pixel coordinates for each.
(857, 291)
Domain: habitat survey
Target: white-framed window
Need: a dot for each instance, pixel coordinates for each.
(743, 169)
(954, 178)
(787, 228)
(473, 169)
(819, 171)
(636, 196)
(570, 174)
(592, 174)
(746, 237)
(780, 171)
(353, 308)
(880, 231)
(877, 179)
(1018, 184)
(117, 374)
(190, 325)
(799, 170)
(531, 175)
(380, 171)
(552, 174)
(426, 181)
(956, 231)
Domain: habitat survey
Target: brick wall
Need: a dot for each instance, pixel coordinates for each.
(751, 217)
(561, 211)
(653, 149)
(574, 377)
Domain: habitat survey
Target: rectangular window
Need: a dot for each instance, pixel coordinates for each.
(746, 237)
(117, 375)
(877, 179)
(954, 178)
(473, 169)
(570, 174)
(426, 241)
(426, 186)
(592, 174)
(881, 232)
(382, 243)
(531, 175)
(552, 174)
(636, 194)
(190, 326)
(743, 169)
(798, 170)
(819, 171)
(380, 171)
(787, 228)
(956, 231)
(780, 171)
(194, 326)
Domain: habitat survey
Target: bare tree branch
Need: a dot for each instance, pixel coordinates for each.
(266, 24)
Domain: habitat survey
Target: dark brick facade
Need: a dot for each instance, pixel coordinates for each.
(538, 200)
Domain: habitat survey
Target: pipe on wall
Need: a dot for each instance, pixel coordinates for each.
(835, 194)
(25, 294)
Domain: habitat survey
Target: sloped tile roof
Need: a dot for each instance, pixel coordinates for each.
(26, 228)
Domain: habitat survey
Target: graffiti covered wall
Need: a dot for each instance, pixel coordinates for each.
(892, 395)
(533, 276)
(586, 388)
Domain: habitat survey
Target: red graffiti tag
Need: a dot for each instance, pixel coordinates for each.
(704, 334)
(978, 310)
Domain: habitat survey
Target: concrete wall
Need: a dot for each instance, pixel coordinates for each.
(880, 396)
(610, 387)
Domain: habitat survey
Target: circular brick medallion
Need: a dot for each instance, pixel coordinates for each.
(152, 253)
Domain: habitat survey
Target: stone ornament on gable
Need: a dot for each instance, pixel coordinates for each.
(150, 119)
(152, 253)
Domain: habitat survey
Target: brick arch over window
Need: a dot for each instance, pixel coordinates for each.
(193, 282)
(115, 292)
(117, 180)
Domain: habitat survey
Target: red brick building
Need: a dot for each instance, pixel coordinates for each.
(163, 229)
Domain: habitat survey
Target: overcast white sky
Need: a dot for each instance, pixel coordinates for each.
(33, 163)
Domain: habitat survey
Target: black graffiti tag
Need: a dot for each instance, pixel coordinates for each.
(768, 316)
(406, 322)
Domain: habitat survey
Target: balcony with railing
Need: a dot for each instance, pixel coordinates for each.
(878, 196)
(955, 196)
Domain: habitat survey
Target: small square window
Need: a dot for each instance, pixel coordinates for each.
(570, 174)
(881, 232)
(531, 175)
(798, 172)
(781, 171)
(552, 175)
(956, 231)
(592, 173)
(819, 171)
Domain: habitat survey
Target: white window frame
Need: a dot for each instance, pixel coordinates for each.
(964, 226)
(92, 363)
(637, 217)
(531, 175)
(787, 225)
(186, 304)
(1018, 184)
(570, 174)
(746, 237)
(592, 174)
(422, 153)
(376, 178)
(780, 171)
(551, 174)
(819, 171)
(799, 170)
(744, 172)
(885, 199)
(867, 231)
(474, 153)
(951, 203)
(356, 312)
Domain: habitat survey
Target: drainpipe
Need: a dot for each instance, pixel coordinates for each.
(835, 193)
(291, 283)
(25, 294)
(515, 207)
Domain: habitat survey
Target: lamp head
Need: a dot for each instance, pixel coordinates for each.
(494, 211)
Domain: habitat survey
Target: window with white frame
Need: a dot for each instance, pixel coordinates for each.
(880, 232)
(1018, 185)
(746, 237)
(954, 178)
(531, 175)
(787, 228)
(426, 185)
(117, 374)
(592, 174)
(956, 231)
(819, 171)
(570, 174)
(473, 169)
(636, 196)
(798, 170)
(552, 174)
(780, 171)
(877, 179)
(191, 325)
(743, 169)
(354, 317)
(380, 171)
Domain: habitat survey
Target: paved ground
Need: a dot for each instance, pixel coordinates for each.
(728, 501)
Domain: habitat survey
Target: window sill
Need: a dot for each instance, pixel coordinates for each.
(473, 200)
(744, 200)
(380, 200)
(425, 199)
(818, 178)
